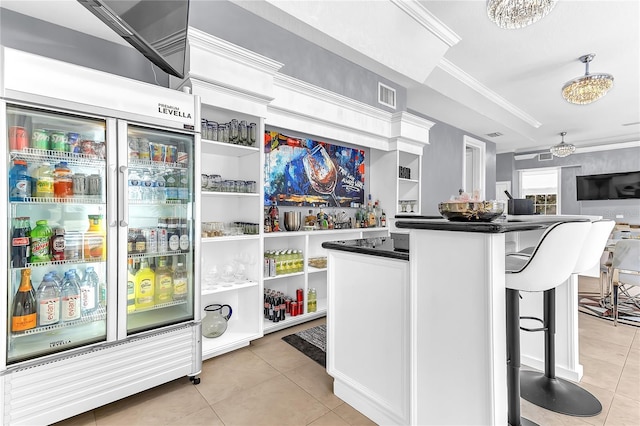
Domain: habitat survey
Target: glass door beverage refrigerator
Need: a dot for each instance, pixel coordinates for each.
(102, 233)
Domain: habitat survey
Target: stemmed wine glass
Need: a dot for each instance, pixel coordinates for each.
(321, 171)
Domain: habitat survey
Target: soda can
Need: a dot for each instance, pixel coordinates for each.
(79, 184)
(40, 139)
(18, 138)
(157, 151)
(100, 149)
(87, 148)
(300, 295)
(57, 244)
(133, 149)
(58, 141)
(170, 154)
(73, 141)
(94, 185)
(294, 308)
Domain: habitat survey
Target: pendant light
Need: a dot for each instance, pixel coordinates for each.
(513, 14)
(588, 88)
(562, 149)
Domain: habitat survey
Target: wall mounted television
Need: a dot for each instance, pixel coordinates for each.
(609, 186)
(156, 28)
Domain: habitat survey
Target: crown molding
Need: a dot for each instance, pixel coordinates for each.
(581, 150)
(223, 48)
(428, 20)
(460, 75)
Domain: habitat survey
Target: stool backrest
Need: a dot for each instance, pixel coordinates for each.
(626, 259)
(553, 259)
(594, 244)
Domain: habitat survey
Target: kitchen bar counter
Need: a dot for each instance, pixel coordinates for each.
(423, 341)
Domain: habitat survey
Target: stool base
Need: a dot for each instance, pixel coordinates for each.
(558, 395)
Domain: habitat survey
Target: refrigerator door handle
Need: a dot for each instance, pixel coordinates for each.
(125, 195)
(112, 178)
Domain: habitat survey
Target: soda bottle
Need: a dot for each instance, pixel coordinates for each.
(40, 242)
(19, 181)
(62, 181)
(70, 295)
(180, 283)
(144, 286)
(24, 307)
(57, 245)
(183, 186)
(48, 299)
(185, 243)
(171, 185)
(20, 242)
(163, 282)
(94, 239)
(44, 181)
(89, 291)
(312, 300)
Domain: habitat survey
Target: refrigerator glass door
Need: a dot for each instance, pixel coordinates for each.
(56, 211)
(159, 215)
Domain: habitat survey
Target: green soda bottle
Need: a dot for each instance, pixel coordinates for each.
(40, 242)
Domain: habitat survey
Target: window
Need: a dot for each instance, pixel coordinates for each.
(541, 186)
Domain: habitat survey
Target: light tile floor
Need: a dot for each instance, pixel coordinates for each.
(271, 383)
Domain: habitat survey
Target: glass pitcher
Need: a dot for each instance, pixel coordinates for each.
(214, 323)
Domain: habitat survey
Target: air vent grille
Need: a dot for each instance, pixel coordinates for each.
(494, 134)
(545, 156)
(386, 95)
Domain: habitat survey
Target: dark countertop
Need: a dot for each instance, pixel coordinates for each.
(382, 246)
(512, 225)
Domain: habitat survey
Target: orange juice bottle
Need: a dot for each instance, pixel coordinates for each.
(94, 239)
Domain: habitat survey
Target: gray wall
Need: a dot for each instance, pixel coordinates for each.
(442, 165)
(589, 163)
(302, 59)
(53, 41)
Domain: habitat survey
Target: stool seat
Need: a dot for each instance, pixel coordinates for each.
(550, 263)
(545, 389)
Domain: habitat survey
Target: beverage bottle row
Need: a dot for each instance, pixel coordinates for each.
(47, 181)
(44, 244)
(171, 234)
(147, 287)
(55, 300)
(169, 185)
(277, 305)
(280, 262)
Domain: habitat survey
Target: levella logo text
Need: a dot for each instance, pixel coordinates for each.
(172, 110)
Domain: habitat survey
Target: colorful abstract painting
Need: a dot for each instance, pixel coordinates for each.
(304, 172)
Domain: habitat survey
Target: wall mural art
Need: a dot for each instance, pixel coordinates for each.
(304, 172)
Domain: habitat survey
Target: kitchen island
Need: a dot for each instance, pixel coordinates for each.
(419, 337)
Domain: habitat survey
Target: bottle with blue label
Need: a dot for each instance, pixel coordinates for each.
(19, 181)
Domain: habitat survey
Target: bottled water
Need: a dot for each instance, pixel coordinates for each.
(146, 186)
(154, 190)
(48, 300)
(134, 186)
(161, 188)
(70, 294)
(89, 291)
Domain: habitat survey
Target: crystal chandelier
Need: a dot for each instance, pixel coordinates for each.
(588, 88)
(562, 149)
(512, 14)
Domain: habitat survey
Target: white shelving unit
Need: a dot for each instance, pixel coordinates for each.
(310, 242)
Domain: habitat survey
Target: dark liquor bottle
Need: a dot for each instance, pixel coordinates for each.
(24, 309)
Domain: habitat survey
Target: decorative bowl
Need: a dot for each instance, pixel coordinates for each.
(471, 211)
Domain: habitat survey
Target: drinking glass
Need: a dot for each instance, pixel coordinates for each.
(321, 171)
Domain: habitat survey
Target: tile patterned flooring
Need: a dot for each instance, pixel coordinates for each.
(271, 383)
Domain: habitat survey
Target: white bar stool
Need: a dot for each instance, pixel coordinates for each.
(546, 390)
(550, 264)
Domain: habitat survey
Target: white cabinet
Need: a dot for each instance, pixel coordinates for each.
(392, 170)
(310, 242)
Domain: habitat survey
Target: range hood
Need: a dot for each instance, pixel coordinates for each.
(156, 28)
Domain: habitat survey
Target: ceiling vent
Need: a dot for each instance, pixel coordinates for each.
(386, 95)
(494, 134)
(545, 156)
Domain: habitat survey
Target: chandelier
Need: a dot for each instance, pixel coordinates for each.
(588, 88)
(512, 14)
(562, 149)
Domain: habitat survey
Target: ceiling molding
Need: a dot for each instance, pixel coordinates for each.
(460, 75)
(428, 20)
(581, 150)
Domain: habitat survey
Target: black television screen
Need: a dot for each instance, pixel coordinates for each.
(609, 186)
(157, 28)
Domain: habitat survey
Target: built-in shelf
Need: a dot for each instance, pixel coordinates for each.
(227, 149)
